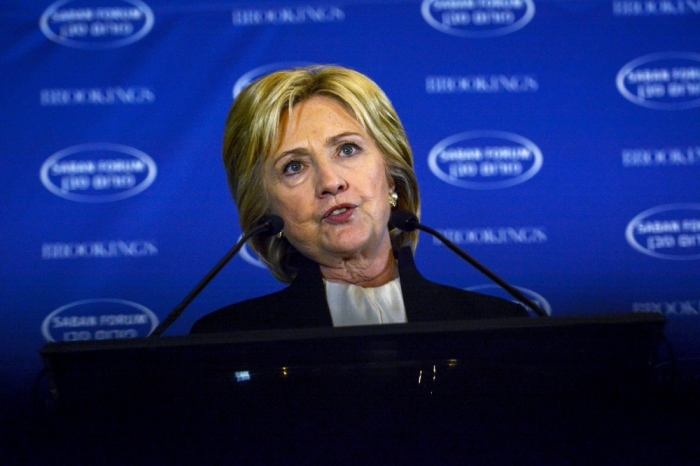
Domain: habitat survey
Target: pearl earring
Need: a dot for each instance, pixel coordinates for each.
(393, 199)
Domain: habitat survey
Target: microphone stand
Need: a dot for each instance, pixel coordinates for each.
(269, 224)
(406, 221)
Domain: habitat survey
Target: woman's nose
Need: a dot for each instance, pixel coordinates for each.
(330, 181)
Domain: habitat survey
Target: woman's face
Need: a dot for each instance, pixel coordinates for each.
(327, 180)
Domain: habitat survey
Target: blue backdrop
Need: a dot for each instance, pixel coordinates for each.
(556, 141)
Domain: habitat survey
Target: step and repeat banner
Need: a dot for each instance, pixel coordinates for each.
(556, 141)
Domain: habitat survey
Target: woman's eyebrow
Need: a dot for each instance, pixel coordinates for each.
(295, 151)
(330, 142)
(334, 140)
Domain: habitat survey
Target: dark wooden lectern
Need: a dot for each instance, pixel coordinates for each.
(526, 390)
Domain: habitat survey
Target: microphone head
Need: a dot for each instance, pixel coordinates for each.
(275, 224)
(404, 220)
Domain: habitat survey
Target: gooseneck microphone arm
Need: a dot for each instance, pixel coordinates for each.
(407, 221)
(269, 225)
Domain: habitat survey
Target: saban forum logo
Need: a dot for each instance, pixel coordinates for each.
(669, 231)
(245, 80)
(485, 160)
(250, 257)
(495, 290)
(662, 81)
(478, 18)
(103, 24)
(99, 319)
(98, 172)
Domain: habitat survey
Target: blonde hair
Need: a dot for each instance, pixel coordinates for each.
(252, 133)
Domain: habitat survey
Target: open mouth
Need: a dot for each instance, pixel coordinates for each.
(339, 213)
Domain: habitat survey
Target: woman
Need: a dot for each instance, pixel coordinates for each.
(323, 148)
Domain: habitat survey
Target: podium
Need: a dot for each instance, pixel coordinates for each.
(543, 389)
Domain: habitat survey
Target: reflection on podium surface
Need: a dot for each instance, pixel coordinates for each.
(520, 389)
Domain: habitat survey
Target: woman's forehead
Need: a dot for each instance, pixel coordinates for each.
(318, 116)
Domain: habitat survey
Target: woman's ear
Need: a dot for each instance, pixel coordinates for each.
(390, 181)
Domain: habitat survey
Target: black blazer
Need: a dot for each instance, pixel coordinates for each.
(303, 303)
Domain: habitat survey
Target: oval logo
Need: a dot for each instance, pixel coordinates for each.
(478, 18)
(667, 232)
(102, 24)
(98, 172)
(485, 160)
(662, 81)
(261, 71)
(497, 291)
(250, 257)
(99, 319)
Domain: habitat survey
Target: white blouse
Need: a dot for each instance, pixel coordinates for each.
(355, 305)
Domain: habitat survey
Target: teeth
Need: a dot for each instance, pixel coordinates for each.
(338, 211)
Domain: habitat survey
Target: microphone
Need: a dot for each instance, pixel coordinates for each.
(407, 221)
(268, 225)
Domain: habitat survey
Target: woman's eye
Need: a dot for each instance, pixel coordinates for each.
(293, 167)
(348, 149)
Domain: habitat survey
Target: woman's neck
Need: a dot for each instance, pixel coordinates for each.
(367, 273)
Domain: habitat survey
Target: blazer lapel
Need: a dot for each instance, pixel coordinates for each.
(414, 288)
(308, 289)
